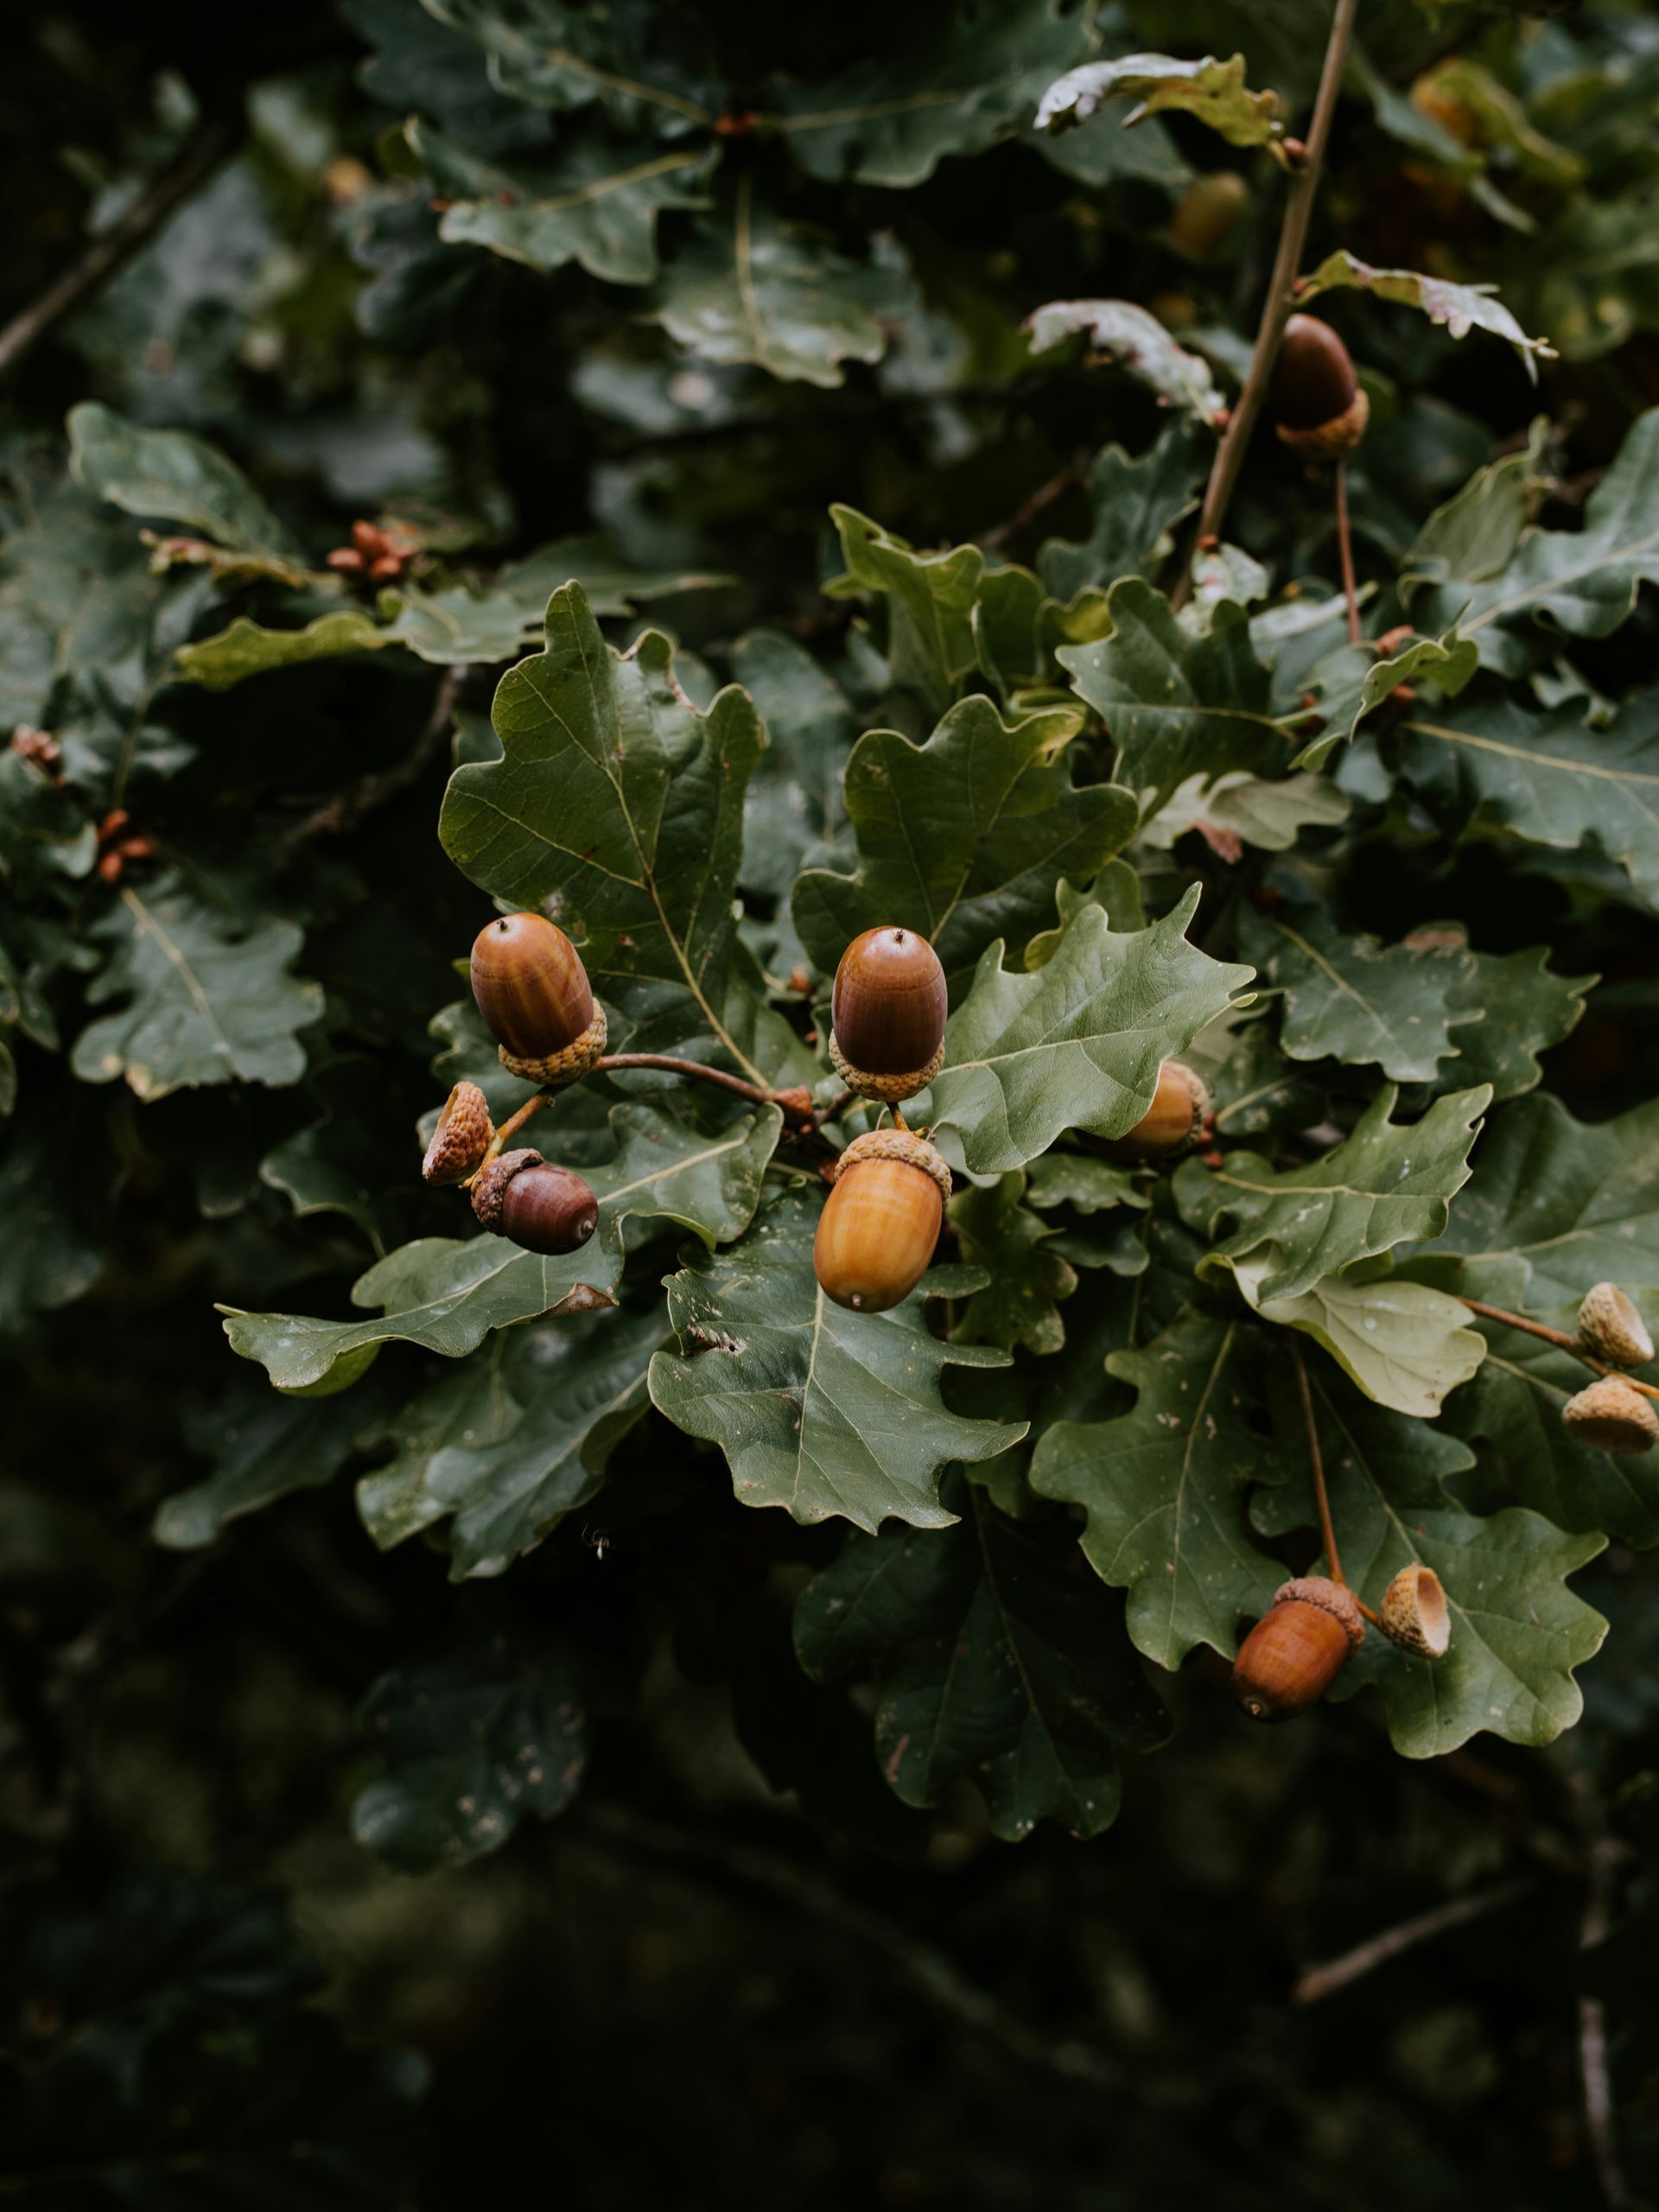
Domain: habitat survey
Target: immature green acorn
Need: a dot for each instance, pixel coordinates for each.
(1314, 397)
(1612, 1416)
(879, 1223)
(1612, 1329)
(532, 990)
(535, 1203)
(1294, 1654)
(461, 1137)
(887, 1011)
(1178, 1109)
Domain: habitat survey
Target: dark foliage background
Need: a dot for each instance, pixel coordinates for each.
(736, 1970)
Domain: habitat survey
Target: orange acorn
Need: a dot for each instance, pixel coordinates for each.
(1179, 1107)
(1294, 1654)
(881, 1222)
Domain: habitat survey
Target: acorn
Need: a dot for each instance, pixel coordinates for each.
(1612, 1416)
(532, 990)
(1294, 1654)
(881, 1222)
(1414, 1614)
(461, 1137)
(1207, 213)
(888, 1011)
(1179, 1107)
(1315, 398)
(1610, 1328)
(535, 1202)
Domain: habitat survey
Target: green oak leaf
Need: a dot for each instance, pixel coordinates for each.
(48, 1257)
(336, 1164)
(618, 808)
(794, 795)
(1254, 1092)
(552, 54)
(447, 1295)
(817, 1409)
(963, 838)
(597, 204)
(245, 647)
(1475, 533)
(1578, 1202)
(931, 597)
(1215, 92)
(1076, 1045)
(1405, 1344)
(473, 1741)
(263, 1446)
(1270, 814)
(1460, 307)
(1136, 341)
(1547, 779)
(204, 993)
(1517, 1632)
(1136, 506)
(170, 474)
(1351, 683)
(749, 286)
(1019, 1305)
(1385, 1183)
(1582, 582)
(1176, 705)
(1164, 1486)
(515, 1437)
(927, 94)
(993, 1659)
(1353, 999)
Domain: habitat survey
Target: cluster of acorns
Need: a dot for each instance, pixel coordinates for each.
(884, 1213)
(1613, 1414)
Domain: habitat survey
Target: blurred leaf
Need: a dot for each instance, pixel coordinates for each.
(1019, 1305)
(263, 1447)
(794, 795)
(1214, 92)
(1461, 308)
(1136, 507)
(171, 475)
(1121, 331)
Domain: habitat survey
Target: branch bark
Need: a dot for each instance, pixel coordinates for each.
(1336, 1973)
(1275, 312)
(384, 784)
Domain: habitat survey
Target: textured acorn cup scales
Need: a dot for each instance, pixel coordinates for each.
(533, 992)
(1611, 1328)
(888, 1010)
(461, 1137)
(1612, 1416)
(1414, 1614)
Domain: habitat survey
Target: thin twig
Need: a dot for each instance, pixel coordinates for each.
(797, 1103)
(932, 1973)
(384, 784)
(1336, 1973)
(1559, 1337)
(107, 252)
(1594, 2072)
(1345, 552)
(1276, 308)
(1327, 1531)
(1028, 510)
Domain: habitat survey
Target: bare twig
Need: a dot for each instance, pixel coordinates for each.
(1275, 312)
(931, 1973)
(1345, 553)
(1559, 1337)
(1317, 1460)
(384, 784)
(1336, 1973)
(797, 1105)
(1028, 510)
(107, 252)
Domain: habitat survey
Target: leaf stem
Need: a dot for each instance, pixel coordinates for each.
(1275, 311)
(1345, 552)
(1557, 1337)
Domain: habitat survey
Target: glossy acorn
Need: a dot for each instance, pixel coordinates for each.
(888, 1011)
(881, 1221)
(1314, 397)
(1414, 1614)
(533, 992)
(1179, 1107)
(1294, 1654)
(461, 1137)
(1611, 1327)
(535, 1202)
(1612, 1416)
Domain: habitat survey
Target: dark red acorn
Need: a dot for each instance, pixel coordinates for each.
(1294, 1654)
(1314, 396)
(888, 1010)
(535, 1202)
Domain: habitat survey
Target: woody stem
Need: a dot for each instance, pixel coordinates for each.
(1345, 553)
(1557, 1337)
(1316, 1459)
(796, 1105)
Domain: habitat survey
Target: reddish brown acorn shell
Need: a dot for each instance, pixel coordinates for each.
(1294, 1654)
(1313, 379)
(1179, 1105)
(877, 1233)
(530, 986)
(548, 1209)
(889, 1001)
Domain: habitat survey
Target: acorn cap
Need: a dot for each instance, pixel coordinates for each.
(897, 1144)
(1414, 1614)
(1611, 1327)
(1612, 1416)
(1333, 1598)
(887, 1008)
(1313, 379)
(491, 1188)
(461, 1137)
(530, 986)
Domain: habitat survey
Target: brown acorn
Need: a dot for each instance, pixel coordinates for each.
(532, 990)
(1294, 1654)
(535, 1202)
(1315, 398)
(461, 1137)
(881, 1222)
(1178, 1109)
(1612, 1416)
(887, 1008)
(1610, 1328)
(1414, 1614)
